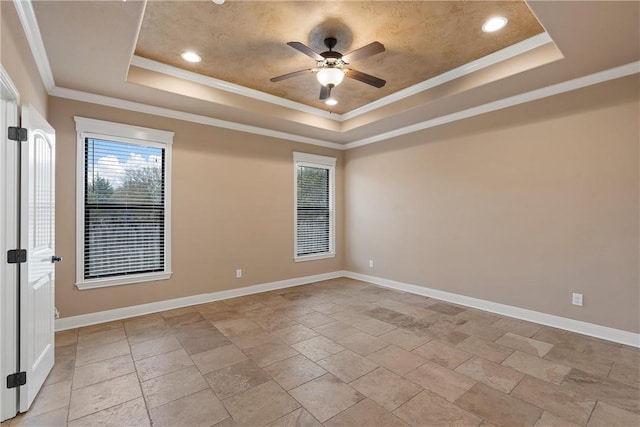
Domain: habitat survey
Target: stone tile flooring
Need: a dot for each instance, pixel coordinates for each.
(339, 353)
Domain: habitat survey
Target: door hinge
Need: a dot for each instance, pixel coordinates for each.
(16, 256)
(16, 380)
(17, 134)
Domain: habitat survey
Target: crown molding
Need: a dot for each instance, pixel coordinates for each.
(580, 82)
(170, 70)
(27, 17)
(34, 37)
(473, 66)
(569, 85)
(108, 101)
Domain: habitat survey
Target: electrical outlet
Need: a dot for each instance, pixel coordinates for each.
(238, 273)
(577, 299)
(370, 263)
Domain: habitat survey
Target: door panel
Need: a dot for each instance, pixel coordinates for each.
(37, 287)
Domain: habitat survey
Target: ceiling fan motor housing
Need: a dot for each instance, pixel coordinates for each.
(330, 42)
(331, 57)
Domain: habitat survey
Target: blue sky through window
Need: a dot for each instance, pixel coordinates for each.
(111, 159)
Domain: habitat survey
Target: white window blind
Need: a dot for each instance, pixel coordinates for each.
(124, 209)
(314, 206)
(123, 215)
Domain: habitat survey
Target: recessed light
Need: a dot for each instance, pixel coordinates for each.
(331, 101)
(218, 1)
(191, 56)
(494, 24)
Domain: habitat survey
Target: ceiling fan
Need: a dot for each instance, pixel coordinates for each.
(331, 66)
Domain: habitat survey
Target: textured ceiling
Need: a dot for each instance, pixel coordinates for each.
(89, 45)
(244, 42)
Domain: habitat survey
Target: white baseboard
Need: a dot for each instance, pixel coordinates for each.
(154, 307)
(585, 328)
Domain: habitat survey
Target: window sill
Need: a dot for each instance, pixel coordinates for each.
(314, 257)
(125, 280)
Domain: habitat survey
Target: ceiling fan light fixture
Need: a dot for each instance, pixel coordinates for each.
(190, 56)
(331, 102)
(330, 76)
(494, 24)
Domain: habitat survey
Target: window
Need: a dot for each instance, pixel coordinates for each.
(314, 210)
(123, 204)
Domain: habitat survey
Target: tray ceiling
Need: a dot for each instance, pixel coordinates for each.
(244, 42)
(87, 46)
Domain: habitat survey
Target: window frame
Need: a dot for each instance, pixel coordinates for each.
(320, 162)
(117, 132)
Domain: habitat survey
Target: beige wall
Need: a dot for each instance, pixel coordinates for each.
(16, 59)
(522, 206)
(232, 207)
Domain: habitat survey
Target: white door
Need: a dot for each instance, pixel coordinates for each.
(8, 240)
(37, 279)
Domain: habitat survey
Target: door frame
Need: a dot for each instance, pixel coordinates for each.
(9, 116)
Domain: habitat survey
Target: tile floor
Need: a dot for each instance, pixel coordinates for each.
(339, 353)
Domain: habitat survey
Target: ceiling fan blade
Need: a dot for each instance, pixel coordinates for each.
(364, 52)
(289, 75)
(325, 92)
(306, 50)
(365, 78)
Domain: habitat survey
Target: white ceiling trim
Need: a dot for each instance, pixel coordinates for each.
(7, 84)
(34, 37)
(473, 66)
(31, 29)
(580, 82)
(170, 70)
(189, 117)
(569, 85)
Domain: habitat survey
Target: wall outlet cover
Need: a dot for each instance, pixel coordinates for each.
(577, 299)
